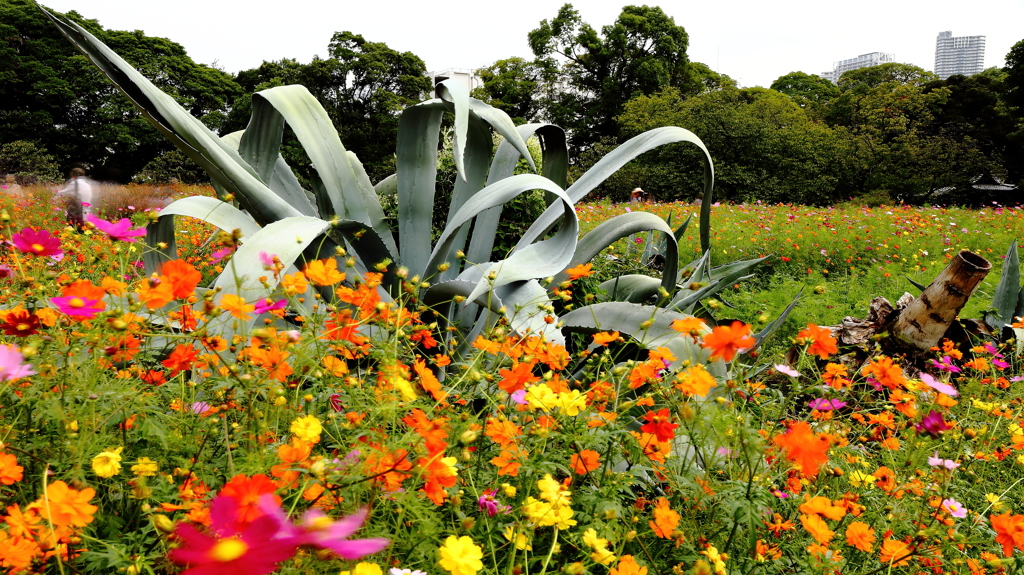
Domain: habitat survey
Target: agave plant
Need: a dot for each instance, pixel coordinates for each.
(263, 203)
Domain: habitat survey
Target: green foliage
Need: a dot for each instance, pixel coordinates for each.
(51, 95)
(172, 167)
(642, 52)
(807, 90)
(362, 85)
(766, 147)
(511, 85)
(28, 162)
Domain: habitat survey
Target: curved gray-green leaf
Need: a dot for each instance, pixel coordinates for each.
(610, 231)
(1004, 299)
(418, 135)
(211, 210)
(627, 318)
(201, 145)
(554, 166)
(456, 93)
(349, 194)
(544, 258)
(286, 239)
(633, 288)
(612, 162)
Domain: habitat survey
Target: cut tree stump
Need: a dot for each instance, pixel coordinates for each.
(923, 322)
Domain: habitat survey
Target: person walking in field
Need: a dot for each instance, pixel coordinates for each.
(76, 197)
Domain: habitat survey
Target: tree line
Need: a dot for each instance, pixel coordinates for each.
(894, 131)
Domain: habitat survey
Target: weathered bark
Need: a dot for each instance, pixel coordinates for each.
(925, 320)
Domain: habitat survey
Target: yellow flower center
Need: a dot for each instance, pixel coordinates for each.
(76, 303)
(228, 550)
(321, 523)
(22, 326)
(38, 248)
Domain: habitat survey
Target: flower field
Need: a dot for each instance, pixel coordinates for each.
(345, 432)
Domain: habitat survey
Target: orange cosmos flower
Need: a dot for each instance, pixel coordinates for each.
(428, 381)
(695, 381)
(247, 492)
(726, 341)
(822, 344)
(692, 326)
(628, 566)
(10, 471)
(604, 338)
(236, 306)
(17, 553)
(823, 506)
(65, 506)
(817, 528)
(183, 277)
(894, 552)
(517, 378)
(155, 292)
(434, 432)
(585, 461)
(665, 519)
(805, 448)
(1009, 531)
(885, 372)
(324, 272)
(580, 271)
(836, 375)
(860, 535)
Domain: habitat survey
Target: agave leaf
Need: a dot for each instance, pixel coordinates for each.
(774, 325)
(344, 189)
(618, 158)
(457, 94)
(920, 287)
(418, 135)
(242, 274)
(625, 318)
(554, 166)
(388, 186)
(282, 180)
(544, 258)
(610, 231)
(477, 155)
(211, 210)
(219, 160)
(633, 288)
(1004, 301)
(688, 353)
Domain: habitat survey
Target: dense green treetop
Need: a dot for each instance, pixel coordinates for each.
(512, 85)
(863, 79)
(807, 90)
(1015, 77)
(53, 96)
(641, 53)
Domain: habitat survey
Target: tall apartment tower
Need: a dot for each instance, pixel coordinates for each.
(862, 61)
(958, 55)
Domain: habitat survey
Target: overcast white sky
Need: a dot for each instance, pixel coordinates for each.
(754, 41)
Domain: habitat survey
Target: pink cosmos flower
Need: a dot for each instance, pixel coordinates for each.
(936, 461)
(785, 369)
(938, 385)
(75, 306)
(11, 364)
(954, 508)
(227, 549)
(200, 407)
(318, 530)
(37, 243)
(268, 305)
(121, 231)
(822, 404)
(932, 424)
(489, 503)
(221, 254)
(945, 364)
(267, 260)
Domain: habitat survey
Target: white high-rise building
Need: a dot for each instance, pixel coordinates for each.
(958, 55)
(862, 61)
(467, 76)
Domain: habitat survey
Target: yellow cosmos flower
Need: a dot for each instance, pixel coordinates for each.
(107, 463)
(145, 467)
(363, 568)
(460, 556)
(307, 428)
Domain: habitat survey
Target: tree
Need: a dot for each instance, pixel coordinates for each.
(702, 79)
(512, 85)
(863, 79)
(807, 90)
(53, 96)
(1015, 78)
(591, 76)
(765, 146)
(363, 86)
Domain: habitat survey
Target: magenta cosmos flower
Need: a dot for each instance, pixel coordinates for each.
(37, 243)
(76, 306)
(227, 548)
(120, 232)
(822, 404)
(12, 364)
(932, 424)
(318, 530)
